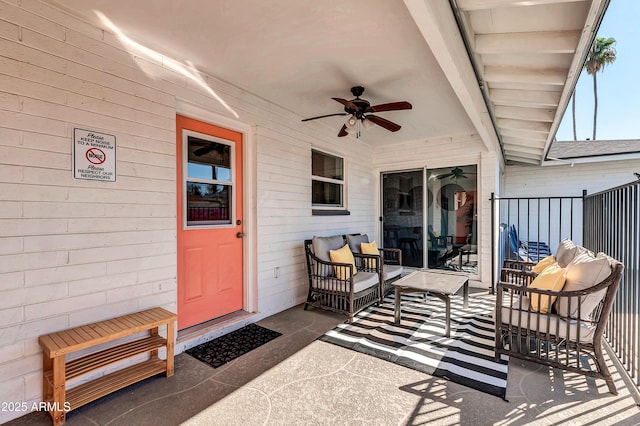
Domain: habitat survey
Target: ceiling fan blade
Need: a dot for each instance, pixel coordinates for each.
(346, 103)
(202, 151)
(323, 116)
(392, 106)
(383, 122)
(343, 131)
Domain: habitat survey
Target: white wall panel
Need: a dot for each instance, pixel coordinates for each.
(74, 251)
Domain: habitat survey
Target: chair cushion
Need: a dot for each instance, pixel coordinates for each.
(322, 246)
(584, 271)
(361, 282)
(545, 323)
(354, 242)
(542, 265)
(391, 271)
(552, 278)
(343, 255)
(566, 252)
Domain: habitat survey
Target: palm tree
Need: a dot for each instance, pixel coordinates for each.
(602, 53)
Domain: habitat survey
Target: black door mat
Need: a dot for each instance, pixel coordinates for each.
(226, 348)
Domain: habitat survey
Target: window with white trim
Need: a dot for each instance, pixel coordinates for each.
(208, 180)
(327, 181)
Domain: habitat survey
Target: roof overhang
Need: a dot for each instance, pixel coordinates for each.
(527, 57)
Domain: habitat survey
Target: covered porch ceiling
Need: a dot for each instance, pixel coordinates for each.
(300, 54)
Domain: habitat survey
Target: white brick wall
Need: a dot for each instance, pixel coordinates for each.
(73, 251)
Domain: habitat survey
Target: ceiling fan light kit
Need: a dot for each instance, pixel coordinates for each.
(359, 112)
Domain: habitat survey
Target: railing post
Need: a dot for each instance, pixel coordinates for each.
(584, 218)
(493, 244)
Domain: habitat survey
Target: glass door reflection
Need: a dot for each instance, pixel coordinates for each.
(452, 241)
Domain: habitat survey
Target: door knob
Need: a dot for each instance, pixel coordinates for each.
(240, 234)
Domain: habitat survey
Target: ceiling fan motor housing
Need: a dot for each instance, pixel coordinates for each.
(357, 91)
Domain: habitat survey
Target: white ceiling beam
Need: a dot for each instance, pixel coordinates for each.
(533, 126)
(532, 43)
(490, 4)
(526, 135)
(526, 76)
(439, 29)
(524, 98)
(529, 114)
(531, 150)
(532, 156)
(514, 158)
(523, 143)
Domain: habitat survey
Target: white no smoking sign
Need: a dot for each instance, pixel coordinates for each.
(94, 155)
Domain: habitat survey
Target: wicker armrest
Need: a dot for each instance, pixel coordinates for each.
(517, 264)
(368, 262)
(391, 256)
(517, 276)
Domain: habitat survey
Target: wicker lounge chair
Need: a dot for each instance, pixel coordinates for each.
(569, 335)
(339, 287)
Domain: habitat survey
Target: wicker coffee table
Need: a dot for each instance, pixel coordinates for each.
(440, 285)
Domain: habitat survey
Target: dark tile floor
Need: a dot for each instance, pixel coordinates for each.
(296, 379)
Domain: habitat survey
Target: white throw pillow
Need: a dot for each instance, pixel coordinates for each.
(584, 271)
(566, 252)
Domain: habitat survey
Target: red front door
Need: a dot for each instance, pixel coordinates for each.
(209, 176)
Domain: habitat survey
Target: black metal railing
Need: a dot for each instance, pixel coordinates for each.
(612, 225)
(531, 228)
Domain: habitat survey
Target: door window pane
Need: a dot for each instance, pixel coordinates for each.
(207, 203)
(208, 160)
(208, 182)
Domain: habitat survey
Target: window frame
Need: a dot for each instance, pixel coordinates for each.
(332, 209)
(232, 182)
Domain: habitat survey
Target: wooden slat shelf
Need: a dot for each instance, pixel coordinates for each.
(83, 365)
(90, 391)
(56, 370)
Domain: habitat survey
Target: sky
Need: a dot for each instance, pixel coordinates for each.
(618, 85)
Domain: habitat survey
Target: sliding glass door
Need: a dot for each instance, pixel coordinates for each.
(403, 215)
(452, 238)
(434, 226)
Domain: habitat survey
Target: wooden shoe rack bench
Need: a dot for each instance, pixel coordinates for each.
(112, 333)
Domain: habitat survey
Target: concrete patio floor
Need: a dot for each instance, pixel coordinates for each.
(296, 379)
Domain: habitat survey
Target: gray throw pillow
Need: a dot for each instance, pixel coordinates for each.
(322, 246)
(354, 242)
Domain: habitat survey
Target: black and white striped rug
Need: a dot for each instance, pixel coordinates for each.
(418, 342)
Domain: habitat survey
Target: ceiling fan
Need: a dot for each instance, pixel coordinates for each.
(359, 111)
(456, 173)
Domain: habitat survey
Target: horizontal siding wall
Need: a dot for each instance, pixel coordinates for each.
(284, 209)
(74, 251)
(561, 181)
(448, 152)
(564, 180)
